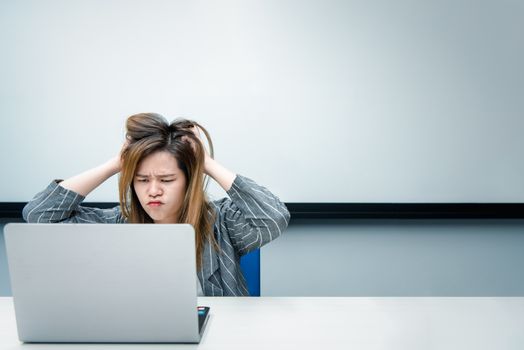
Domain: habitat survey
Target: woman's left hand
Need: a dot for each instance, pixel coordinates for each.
(198, 133)
(215, 170)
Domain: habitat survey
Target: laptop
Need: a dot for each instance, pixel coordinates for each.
(104, 283)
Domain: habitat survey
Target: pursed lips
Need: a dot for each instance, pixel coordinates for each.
(154, 203)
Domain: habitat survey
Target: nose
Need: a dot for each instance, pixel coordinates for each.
(154, 189)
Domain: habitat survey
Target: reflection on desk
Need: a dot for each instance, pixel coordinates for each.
(335, 323)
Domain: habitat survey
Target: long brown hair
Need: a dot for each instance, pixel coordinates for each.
(149, 133)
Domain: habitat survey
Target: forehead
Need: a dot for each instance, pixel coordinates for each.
(158, 163)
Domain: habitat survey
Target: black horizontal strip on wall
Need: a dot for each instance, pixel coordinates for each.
(406, 210)
(360, 210)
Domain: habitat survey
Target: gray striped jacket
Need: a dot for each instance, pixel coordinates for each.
(252, 217)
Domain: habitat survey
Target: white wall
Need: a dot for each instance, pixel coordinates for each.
(321, 101)
(395, 258)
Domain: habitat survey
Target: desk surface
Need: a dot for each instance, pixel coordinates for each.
(336, 323)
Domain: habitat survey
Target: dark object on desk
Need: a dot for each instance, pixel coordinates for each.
(203, 312)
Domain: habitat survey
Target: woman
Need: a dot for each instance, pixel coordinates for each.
(162, 168)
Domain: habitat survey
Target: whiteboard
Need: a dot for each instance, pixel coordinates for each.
(320, 101)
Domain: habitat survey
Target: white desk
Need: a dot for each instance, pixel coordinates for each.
(336, 323)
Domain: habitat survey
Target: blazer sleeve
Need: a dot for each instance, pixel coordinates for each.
(58, 204)
(252, 216)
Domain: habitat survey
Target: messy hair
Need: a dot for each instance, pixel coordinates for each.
(148, 133)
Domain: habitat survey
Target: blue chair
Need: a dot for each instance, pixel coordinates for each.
(250, 265)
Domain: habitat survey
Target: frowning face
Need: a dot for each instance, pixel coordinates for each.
(160, 186)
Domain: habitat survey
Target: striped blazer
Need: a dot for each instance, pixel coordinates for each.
(251, 217)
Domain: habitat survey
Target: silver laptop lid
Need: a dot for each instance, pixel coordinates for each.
(103, 282)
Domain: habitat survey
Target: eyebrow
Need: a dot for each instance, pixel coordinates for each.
(160, 176)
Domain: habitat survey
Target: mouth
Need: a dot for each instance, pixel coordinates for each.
(154, 204)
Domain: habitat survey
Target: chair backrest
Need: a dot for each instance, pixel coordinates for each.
(250, 265)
